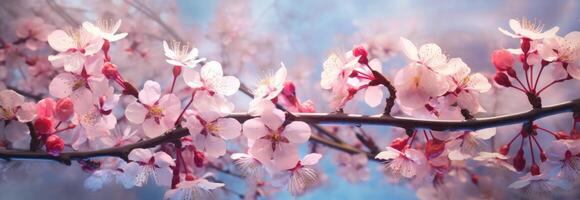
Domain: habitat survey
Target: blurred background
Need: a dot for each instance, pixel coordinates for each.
(252, 38)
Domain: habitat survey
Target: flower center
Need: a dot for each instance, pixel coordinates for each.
(532, 26)
(106, 25)
(212, 128)
(156, 111)
(181, 50)
(78, 84)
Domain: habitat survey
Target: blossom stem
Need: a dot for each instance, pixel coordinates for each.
(185, 108)
(34, 142)
(178, 161)
(552, 83)
(522, 84)
(532, 149)
(539, 75)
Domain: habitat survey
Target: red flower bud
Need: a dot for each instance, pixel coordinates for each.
(434, 148)
(64, 109)
(543, 156)
(54, 145)
(399, 143)
(198, 158)
(519, 161)
(43, 125)
(502, 59)
(362, 52)
(525, 45)
(502, 79)
(110, 70)
(535, 170)
(176, 70)
(475, 179)
(504, 149)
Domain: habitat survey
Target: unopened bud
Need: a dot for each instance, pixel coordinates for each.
(64, 109)
(362, 52)
(502, 59)
(502, 79)
(43, 125)
(54, 145)
(110, 70)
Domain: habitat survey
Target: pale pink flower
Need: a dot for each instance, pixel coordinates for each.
(181, 55)
(428, 55)
(13, 107)
(212, 79)
(528, 29)
(145, 163)
(563, 158)
(118, 137)
(249, 165)
(203, 100)
(35, 31)
(406, 163)
(73, 47)
(494, 159)
(335, 70)
(155, 112)
(301, 177)
(416, 85)
(468, 144)
(539, 186)
(196, 188)
(270, 86)
(270, 141)
(81, 84)
(92, 121)
(465, 88)
(563, 50)
(353, 167)
(209, 130)
(106, 29)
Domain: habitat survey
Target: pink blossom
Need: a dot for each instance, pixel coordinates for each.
(502, 59)
(145, 163)
(563, 157)
(80, 85)
(181, 55)
(13, 107)
(563, 50)
(353, 167)
(416, 85)
(335, 69)
(539, 186)
(105, 29)
(209, 130)
(271, 141)
(301, 177)
(468, 144)
(528, 29)
(249, 165)
(271, 86)
(73, 48)
(407, 163)
(211, 78)
(157, 113)
(35, 31)
(465, 87)
(428, 55)
(193, 188)
(495, 160)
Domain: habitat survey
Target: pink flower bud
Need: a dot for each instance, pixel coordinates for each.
(64, 109)
(44, 107)
(502, 79)
(110, 70)
(502, 59)
(399, 143)
(198, 158)
(362, 52)
(43, 125)
(176, 70)
(504, 149)
(54, 145)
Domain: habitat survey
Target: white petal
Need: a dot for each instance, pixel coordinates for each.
(192, 78)
(150, 93)
(374, 96)
(211, 70)
(227, 85)
(409, 49)
(486, 133)
(136, 112)
(311, 159)
(297, 132)
(142, 155)
(229, 128)
(60, 41)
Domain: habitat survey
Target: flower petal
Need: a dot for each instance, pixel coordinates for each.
(297, 132)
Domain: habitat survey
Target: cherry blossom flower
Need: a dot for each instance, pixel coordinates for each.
(73, 47)
(335, 68)
(271, 141)
(180, 55)
(353, 167)
(211, 78)
(35, 31)
(13, 107)
(128, 135)
(193, 188)
(406, 163)
(249, 165)
(494, 159)
(563, 50)
(145, 163)
(270, 87)
(465, 88)
(79, 85)
(209, 130)
(563, 158)
(416, 85)
(301, 177)
(428, 55)
(539, 186)
(468, 144)
(528, 29)
(156, 113)
(105, 29)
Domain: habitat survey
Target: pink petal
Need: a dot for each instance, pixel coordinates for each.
(254, 129)
(212, 146)
(311, 159)
(136, 112)
(211, 70)
(150, 93)
(142, 155)
(285, 157)
(374, 96)
(229, 128)
(61, 85)
(27, 112)
(163, 159)
(409, 49)
(297, 132)
(262, 150)
(60, 41)
(10, 99)
(227, 85)
(192, 78)
(153, 129)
